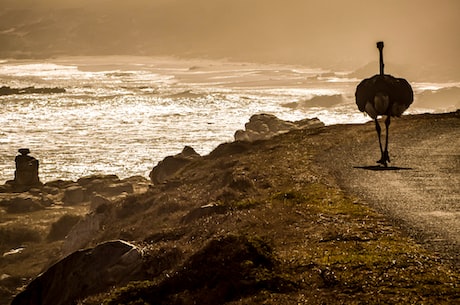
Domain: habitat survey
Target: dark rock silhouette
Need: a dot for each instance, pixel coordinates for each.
(383, 94)
(5, 90)
(26, 174)
(172, 164)
(83, 273)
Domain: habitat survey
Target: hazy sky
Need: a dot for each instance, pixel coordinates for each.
(323, 31)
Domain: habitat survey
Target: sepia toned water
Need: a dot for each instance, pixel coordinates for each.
(122, 115)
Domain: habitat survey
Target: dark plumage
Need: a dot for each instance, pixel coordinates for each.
(383, 94)
(398, 90)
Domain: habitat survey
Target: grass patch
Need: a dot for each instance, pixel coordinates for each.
(62, 227)
(331, 248)
(248, 203)
(14, 235)
(352, 250)
(225, 269)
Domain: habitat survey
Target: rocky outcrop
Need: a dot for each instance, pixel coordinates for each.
(26, 173)
(5, 90)
(172, 164)
(259, 127)
(265, 126)
(98, 188)
(106, 185)
(83, 273)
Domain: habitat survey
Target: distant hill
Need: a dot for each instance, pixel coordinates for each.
(329, 34)
(410, 72)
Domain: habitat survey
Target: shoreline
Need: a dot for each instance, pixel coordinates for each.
(295, 195)
(155, 162)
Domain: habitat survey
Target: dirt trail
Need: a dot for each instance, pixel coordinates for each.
(420, 190)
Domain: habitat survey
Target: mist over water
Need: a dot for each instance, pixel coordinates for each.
(122, 115)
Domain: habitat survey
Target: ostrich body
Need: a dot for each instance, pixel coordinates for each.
(383, 95)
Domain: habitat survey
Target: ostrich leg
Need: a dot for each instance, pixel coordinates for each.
(386, 156)
(379, 131)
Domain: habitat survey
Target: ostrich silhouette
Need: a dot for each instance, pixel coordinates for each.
(383, 95)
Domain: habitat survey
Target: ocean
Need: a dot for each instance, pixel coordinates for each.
(122, 115)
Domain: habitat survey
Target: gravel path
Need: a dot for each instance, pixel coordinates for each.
(420, 190)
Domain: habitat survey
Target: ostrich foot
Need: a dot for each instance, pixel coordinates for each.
(385, 158)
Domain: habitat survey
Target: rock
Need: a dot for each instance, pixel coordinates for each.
(7, 187)
(26, 174)
(309, 123)
(94, 182)
(117, 189)
(58, 184)
(172, 164)
(74, 194)
(83, 273)
(140, 184)
(265, 126)
(98, 202)
(241, 135)
(229, 149)
(5, 90)
(50, 190)
(22, 203)
(107, 185)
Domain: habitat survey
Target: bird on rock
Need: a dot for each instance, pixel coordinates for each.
(383, 95)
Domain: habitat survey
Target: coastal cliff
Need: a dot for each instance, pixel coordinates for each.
(290, 219)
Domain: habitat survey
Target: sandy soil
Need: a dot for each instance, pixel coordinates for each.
(419, 190)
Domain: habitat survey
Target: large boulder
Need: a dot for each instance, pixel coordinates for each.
(265, 126)
(170, 165)
(84, 273)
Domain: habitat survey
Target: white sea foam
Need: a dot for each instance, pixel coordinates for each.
(121, 116)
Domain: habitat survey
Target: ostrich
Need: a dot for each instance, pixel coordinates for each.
(383, 94)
